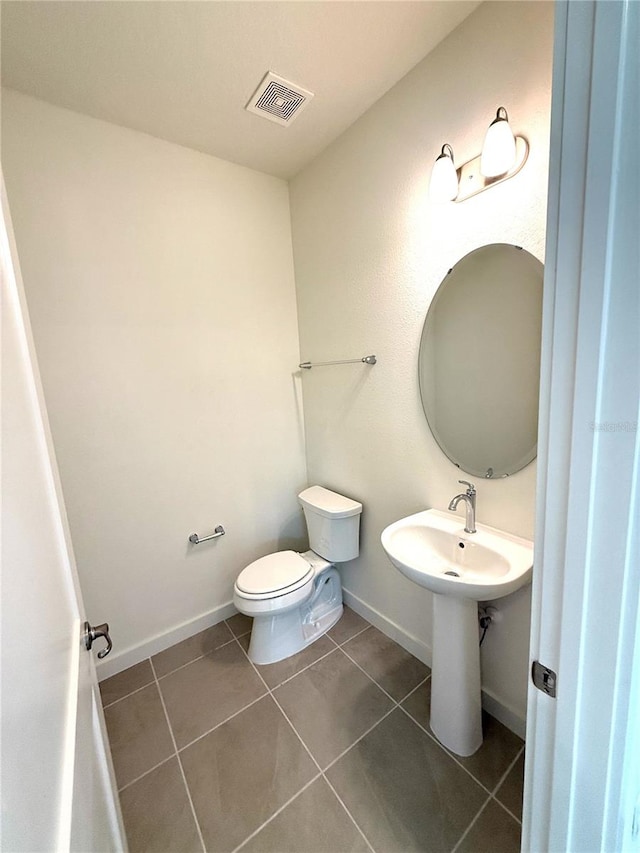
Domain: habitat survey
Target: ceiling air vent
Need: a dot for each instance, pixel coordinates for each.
(278, 100)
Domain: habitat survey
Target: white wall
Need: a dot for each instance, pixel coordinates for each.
(161, 293)
(370, 251)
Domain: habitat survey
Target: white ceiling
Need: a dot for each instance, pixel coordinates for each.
(183, 71)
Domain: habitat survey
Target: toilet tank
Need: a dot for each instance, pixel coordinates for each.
(333, 523)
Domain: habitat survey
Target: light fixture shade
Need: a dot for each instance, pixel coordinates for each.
(444, 178)
(499, 149)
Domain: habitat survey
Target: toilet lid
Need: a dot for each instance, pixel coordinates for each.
(274, 573)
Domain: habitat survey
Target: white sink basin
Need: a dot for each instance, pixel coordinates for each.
(432, 549)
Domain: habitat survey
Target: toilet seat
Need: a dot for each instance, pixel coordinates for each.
(274, 575)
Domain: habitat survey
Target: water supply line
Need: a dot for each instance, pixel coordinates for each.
(486, 616)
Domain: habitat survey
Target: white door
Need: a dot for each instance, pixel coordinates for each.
(582, 787)
(56, 774)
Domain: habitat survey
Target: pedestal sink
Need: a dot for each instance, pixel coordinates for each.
(432, 549)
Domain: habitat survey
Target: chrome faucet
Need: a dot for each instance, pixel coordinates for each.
(469, 497)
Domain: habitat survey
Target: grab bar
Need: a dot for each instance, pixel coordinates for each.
(196, 540)
(368, 359)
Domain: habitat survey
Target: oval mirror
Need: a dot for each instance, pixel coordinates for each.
(479, 362)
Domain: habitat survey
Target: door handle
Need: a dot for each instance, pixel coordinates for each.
(91, 634)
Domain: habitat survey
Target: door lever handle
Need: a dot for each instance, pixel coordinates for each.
(91, 634)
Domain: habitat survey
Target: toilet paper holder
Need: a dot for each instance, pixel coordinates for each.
(196, 540)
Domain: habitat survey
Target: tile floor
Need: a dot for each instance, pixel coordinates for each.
(328, 751)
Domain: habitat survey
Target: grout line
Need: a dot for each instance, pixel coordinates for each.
(413, 689)
(502, 778)
(146, 773)
(370, 677)
(171, 671)
(311, 756)
(175, 746)
(323, 772)
(235, 636)
(189, 662)
(446, 751)
(270, 692)
(277, 812)
(344, 806)
(357, 634)
(492, 793)
(468, 829)
(222, 722)
(137, 690)
(507, 771)
(309, 665)
(300, 671)
(494, 799)
(508, 811)
(297, 733)
(364, 734)
(377, 683)
(226, 625)
(357, 740)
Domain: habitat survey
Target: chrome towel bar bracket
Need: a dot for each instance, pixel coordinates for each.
(196, 540)
(368, 359)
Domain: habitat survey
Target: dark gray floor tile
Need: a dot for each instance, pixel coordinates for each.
(331, 704)
(511, 790)
(314, 822)
(242, 772)
(125, 682)
(393, 668)
(494, 832)
(239, 624)
(193, 647)
(207, 691)
(404, 791)
(138, 734)
(157, 814)
(499, 746)
(347, 626)
(275, 673)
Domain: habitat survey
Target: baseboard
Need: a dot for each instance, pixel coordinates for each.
(117, 661)
(408, 641)
(506, 714)
(503, 712)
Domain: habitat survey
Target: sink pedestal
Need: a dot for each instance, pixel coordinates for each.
(456, 710)
(434, 550)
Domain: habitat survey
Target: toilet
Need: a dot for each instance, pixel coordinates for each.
(296, 598)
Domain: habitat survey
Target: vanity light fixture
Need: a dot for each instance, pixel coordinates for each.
(444, 178)
(503, 155)
(499, 149)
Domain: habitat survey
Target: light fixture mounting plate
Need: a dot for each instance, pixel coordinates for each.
(471, 181)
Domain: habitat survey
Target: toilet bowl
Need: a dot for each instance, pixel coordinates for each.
(296, 598)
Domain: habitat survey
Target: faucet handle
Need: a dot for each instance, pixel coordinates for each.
(471, 488)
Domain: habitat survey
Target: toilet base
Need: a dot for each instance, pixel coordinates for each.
(275, 637)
